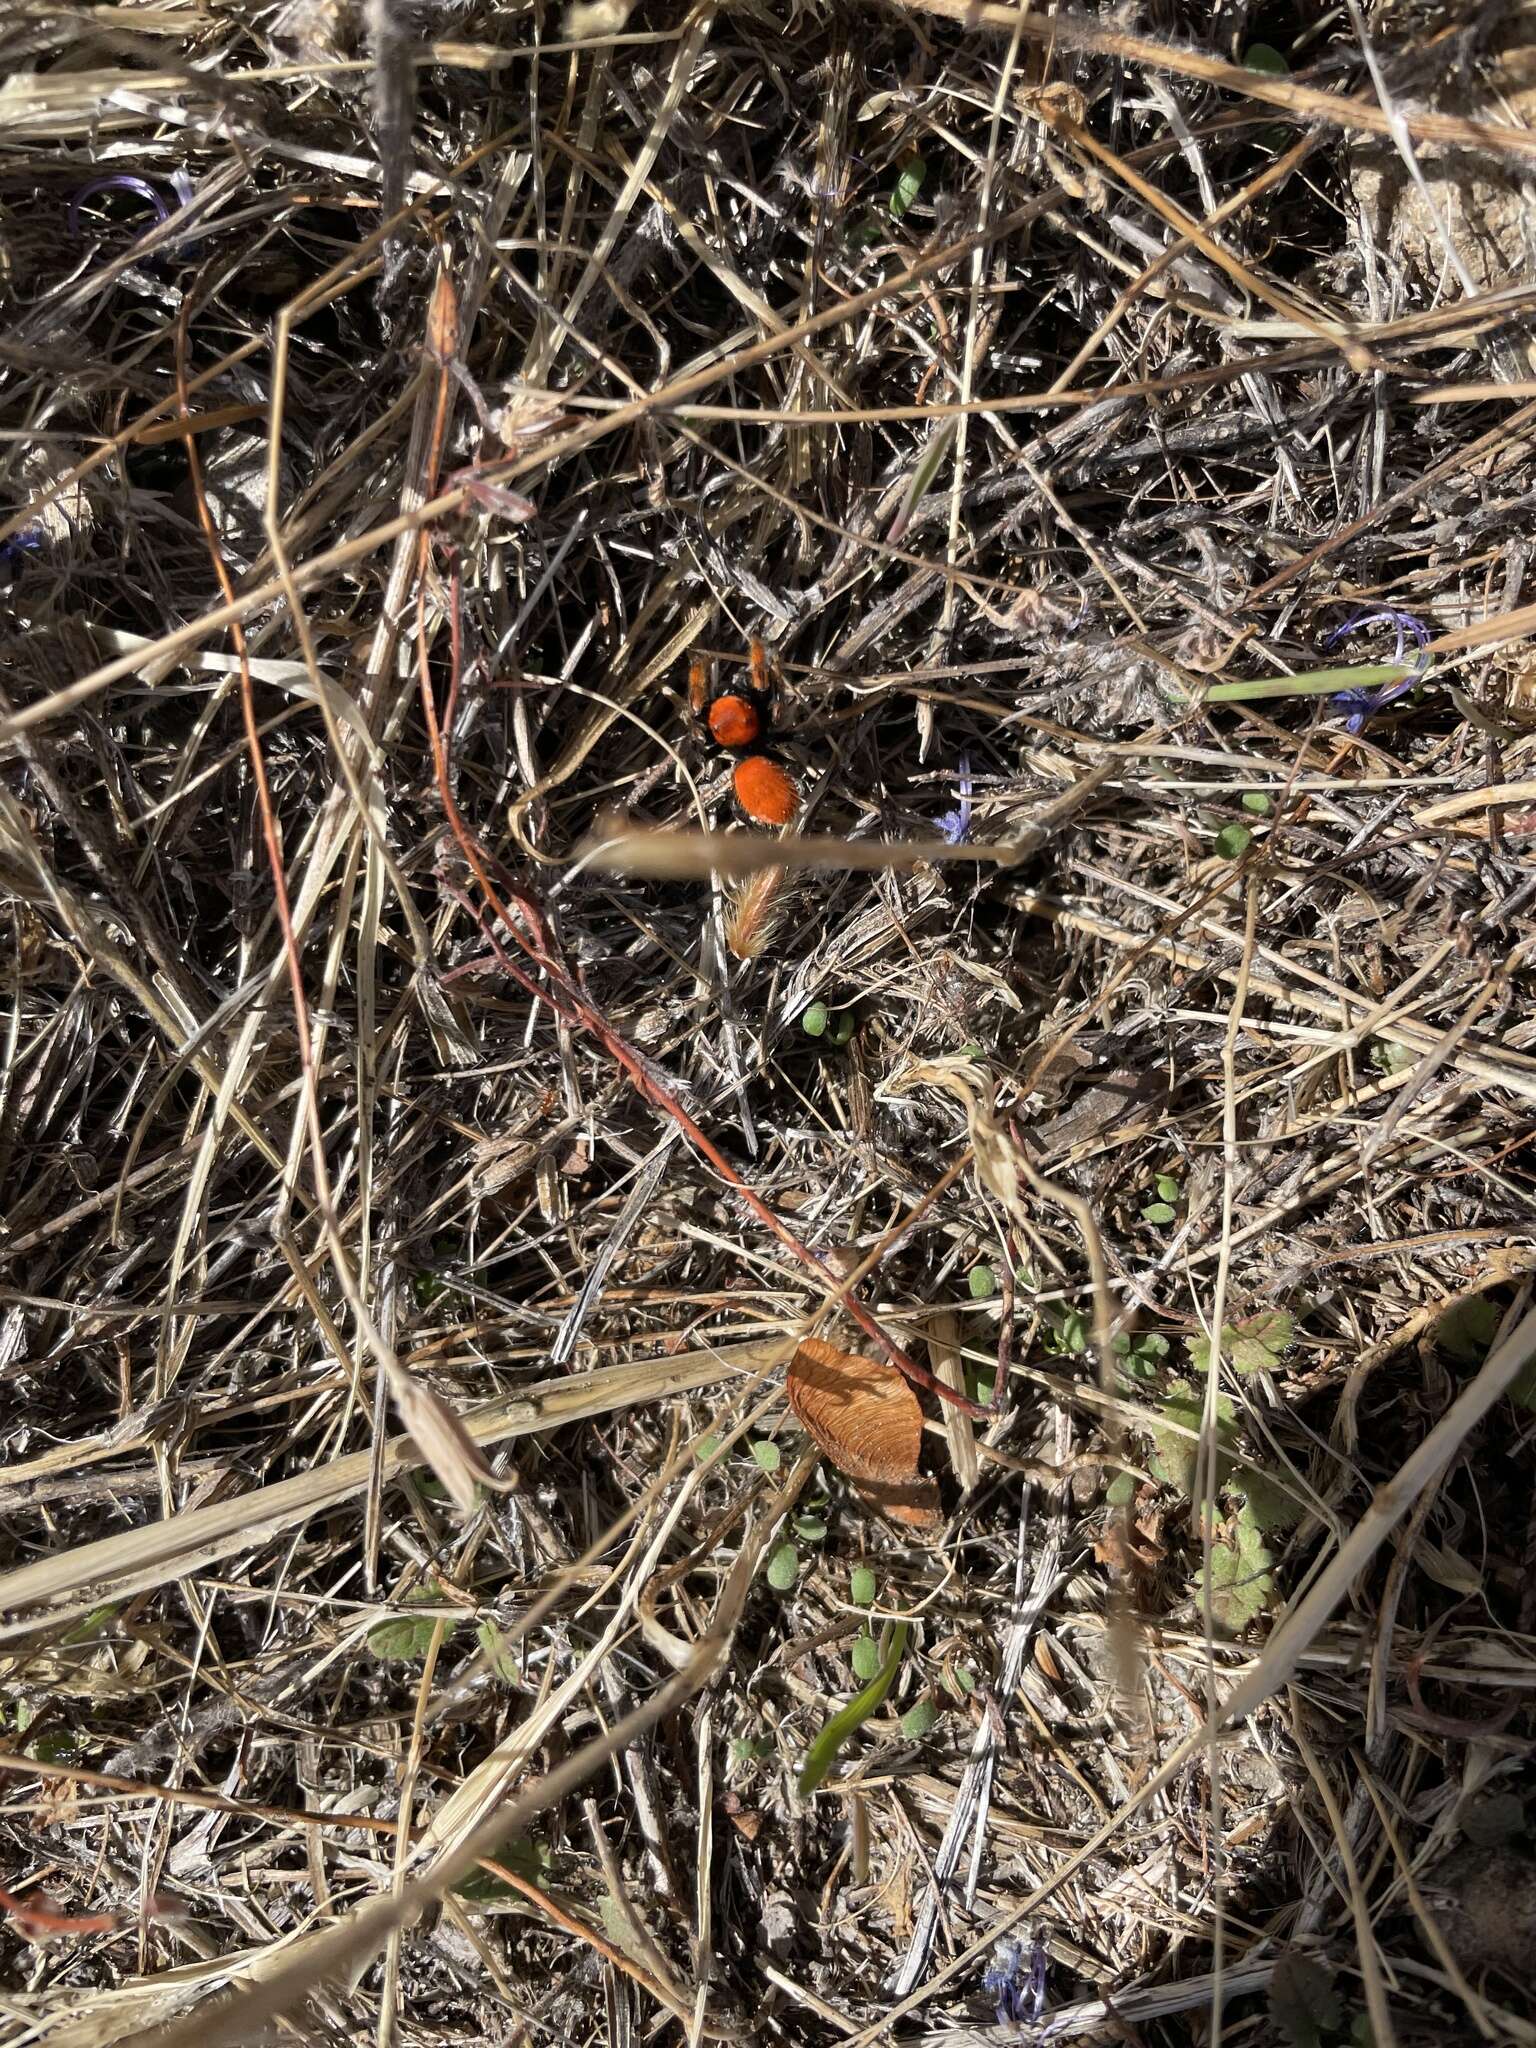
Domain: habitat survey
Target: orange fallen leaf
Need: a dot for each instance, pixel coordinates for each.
(865, 1417)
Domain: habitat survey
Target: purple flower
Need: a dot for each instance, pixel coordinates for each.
(956, 825)
(1362, 704)
(1020, 1994)
(28, 542)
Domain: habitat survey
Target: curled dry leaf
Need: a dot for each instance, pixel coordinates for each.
(997, 1162)
(588, 19)
(449, 1449)
(865, 1417)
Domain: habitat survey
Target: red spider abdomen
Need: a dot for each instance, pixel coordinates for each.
(735, 722)
(765, 792)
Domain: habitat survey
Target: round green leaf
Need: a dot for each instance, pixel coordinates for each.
(862, 1586)
(784, 1568)
(865, 1657)
(1257, 802)
(1264, 57)
(918, 1720)
(982, 1282)
(1232, 841)
(405, 1637)
(706, 1448)
(767, 1454)
(813, 1019)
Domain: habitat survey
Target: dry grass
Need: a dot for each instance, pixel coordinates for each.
(417, 1137)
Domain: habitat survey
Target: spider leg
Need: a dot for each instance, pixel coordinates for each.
(761, 664)
(700, 682)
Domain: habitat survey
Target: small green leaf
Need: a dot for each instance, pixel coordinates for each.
(813, 1019)
(1141, 1357)
(767, 1454)
(965, 1678)
(750, 1749)
(908, 185)
(784, 1568)
(862, 1586)
(1303, 2003)
(408, 1635)
(427, 1289)
(919, 1720)
(524, 1856)
(1388, 1057)
(844, 1024)
(1074, 1332)
(824, 1751)
(1159, 1212)
(1268, 1506)
(403, 1637)
(1263, 57)
(1260, 1342)
(498, 1651)
(1255, 801)
(865, 1657)
(811, 1527)
(620, 1931)
(706, 1448)
(930, 462)
(1360, 2035)
(1174, 1455)
(1168, 1188)
(91, 1624)
(1255, 1344)
(1465, 1332)
(982, 1282)
(1233, 841)
(1242, 1579)
(58, 1746)
(1121, 1490)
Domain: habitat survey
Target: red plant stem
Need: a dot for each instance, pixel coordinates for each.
(642, 1078)
(40, 1916)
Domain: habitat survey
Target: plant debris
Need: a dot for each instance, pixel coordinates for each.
(435, 1121)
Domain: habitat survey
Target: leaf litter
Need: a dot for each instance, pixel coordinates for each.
(1054, 394)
